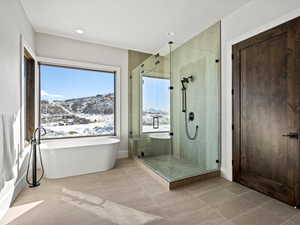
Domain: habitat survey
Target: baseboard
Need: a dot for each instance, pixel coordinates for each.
(5, 198)
(122, 154)
(224, 174)
(19, 186)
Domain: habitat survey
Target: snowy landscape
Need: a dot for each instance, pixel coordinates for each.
(90, 116)
(87, 116)
(163, 118)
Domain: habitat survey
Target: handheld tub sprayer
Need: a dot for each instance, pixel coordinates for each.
(35, 142)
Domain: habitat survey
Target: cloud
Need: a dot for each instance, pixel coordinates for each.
(48, 96)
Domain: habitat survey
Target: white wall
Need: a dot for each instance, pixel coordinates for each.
(13, 23)
(63, 48)
(253, 18)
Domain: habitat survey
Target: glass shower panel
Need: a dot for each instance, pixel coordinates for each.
(196, 69)
(151, 132)
(179, 138)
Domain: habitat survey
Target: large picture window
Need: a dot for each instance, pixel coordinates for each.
(156, 105)
(76, 102)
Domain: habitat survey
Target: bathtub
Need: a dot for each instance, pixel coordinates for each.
(71, 157)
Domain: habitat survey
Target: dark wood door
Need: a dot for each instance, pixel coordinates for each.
(266, 95)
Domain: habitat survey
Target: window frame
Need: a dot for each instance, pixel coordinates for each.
(85, 66)
(29, 93)
(142, 104)
(26, 50)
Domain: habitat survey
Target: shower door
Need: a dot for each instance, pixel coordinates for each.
(155, 115)
(196, 103)
(154, 126)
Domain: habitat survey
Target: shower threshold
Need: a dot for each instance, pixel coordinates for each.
(174, 172)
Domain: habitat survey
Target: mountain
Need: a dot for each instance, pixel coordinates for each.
(99, 104)
(76, 110)
(51, 97)
(154, 111)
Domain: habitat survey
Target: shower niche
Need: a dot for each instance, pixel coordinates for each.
(175, 109)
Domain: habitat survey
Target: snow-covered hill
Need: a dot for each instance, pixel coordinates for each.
(79, 116)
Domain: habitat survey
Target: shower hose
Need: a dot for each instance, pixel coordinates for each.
(187, 129)
(184, 109)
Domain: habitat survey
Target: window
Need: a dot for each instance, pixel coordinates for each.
(76, 102)
(156, 104)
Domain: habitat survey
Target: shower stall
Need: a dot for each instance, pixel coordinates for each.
(175, 108)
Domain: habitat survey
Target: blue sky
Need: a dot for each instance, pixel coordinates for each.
(59, 83)
(156, 93)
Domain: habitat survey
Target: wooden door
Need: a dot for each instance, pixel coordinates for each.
(266, 95)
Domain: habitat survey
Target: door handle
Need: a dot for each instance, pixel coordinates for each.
(291, 135)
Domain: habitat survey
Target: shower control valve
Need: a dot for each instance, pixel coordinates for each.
(191, 116)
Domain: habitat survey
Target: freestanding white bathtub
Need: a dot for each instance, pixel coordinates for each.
(64, 158)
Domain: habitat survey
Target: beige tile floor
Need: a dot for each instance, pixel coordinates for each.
(127, 195)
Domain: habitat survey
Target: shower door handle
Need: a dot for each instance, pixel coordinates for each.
(155, 125)
(291, 135)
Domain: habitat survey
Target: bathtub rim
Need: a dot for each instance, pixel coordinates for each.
(78, 142)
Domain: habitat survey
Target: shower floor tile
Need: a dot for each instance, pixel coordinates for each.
(171, 168)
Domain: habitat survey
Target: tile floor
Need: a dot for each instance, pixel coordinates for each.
(127, 195)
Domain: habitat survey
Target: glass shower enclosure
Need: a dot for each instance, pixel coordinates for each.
(175, 120)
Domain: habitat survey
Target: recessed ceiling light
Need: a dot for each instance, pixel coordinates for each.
(171, 33)
(79, 31)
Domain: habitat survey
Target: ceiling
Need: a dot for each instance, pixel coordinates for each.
(141, 25)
